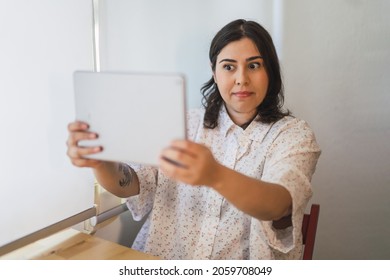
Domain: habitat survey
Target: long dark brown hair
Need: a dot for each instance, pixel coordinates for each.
(270, 110)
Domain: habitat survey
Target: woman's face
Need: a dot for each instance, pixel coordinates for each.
(241, 79)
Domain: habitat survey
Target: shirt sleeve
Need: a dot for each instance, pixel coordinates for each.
(140, 205)
(291, 162)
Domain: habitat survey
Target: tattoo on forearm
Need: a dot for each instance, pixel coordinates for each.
(127, 175)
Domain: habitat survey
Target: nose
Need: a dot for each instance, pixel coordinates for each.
(242, 77)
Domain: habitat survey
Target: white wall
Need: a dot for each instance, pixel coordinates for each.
(336, 60)
(42, 43)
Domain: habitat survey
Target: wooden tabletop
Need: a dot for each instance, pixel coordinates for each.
(72, 244)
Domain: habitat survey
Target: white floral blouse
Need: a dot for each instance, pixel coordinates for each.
(187, 222)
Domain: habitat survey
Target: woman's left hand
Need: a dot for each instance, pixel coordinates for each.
(190, 163)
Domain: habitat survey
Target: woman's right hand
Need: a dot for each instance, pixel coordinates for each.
(80, 131)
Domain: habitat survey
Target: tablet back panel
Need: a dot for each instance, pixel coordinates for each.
(135, 115)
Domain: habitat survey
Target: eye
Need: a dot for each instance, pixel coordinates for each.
(254, 65)
(228, 67)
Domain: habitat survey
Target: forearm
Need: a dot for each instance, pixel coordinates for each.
(259, 199)
(117, 178)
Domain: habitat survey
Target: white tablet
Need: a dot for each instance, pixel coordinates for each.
(135, 115)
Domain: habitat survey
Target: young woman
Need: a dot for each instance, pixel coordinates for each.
(247, 164)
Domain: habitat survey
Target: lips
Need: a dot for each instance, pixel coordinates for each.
(242, 94)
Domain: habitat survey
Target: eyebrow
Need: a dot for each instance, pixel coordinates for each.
(248, 59)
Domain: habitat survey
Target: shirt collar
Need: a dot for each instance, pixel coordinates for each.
(255, 131)
(225, 122)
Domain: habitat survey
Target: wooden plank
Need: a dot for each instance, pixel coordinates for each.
(71, 244)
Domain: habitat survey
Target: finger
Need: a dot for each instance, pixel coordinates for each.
(175, 163)
(185, 146)
(177, 157)
(85, 162)
(172, 169)
(75, 152)
(75, 137)
(77, 126)
(185, 175)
